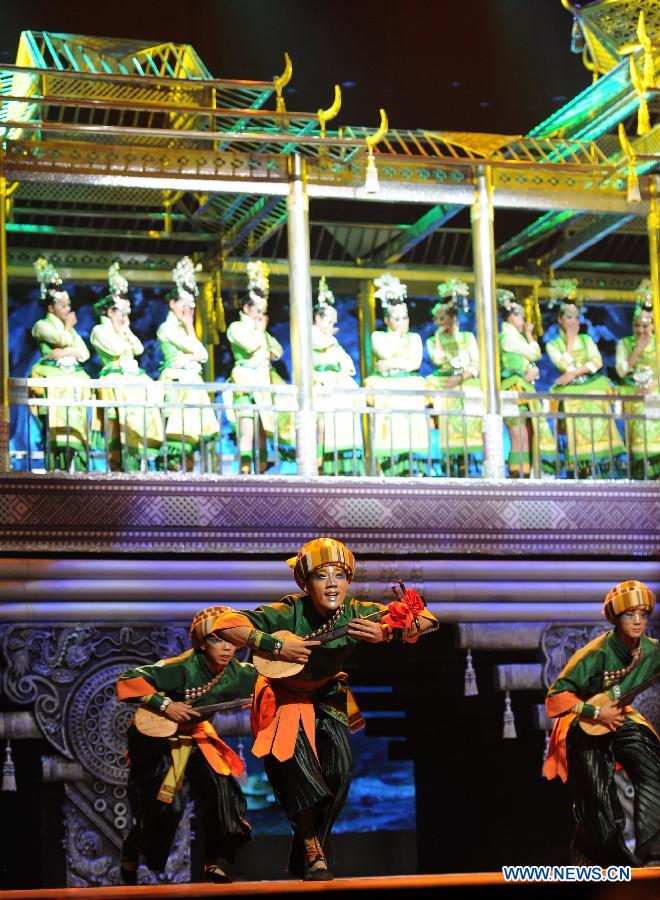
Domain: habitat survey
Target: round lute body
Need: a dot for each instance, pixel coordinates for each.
(280, 668)
(595, 727)
(276, 668)
(156, 724)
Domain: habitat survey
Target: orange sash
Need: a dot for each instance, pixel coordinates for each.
(218, 755)
(281, 707)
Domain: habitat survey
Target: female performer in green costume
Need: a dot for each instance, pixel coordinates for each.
(133, 433)
(339, 432)
(254, 350)
(301, 723)
(594, 446)
(636, 366)
(62, 353)
(186, 429)
(530, 436)
(401, 439)
(615, 662)
(455, 355)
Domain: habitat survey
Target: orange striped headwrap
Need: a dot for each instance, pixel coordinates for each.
(627, 595)
(203, 622)
(321, 552)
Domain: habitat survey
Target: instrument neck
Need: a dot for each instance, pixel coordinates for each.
(342, 630)
(633, 692)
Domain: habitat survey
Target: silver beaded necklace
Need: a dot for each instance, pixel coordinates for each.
(328, 625)
(611, 678)
(197, 692)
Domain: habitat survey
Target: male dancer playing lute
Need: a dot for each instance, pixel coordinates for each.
(206, 674)
(301, 722)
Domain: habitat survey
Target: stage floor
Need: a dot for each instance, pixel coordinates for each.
(646, 887)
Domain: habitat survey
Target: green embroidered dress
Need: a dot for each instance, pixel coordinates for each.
(400, 438)
(643, 433)
(134, 431)
(66, 426)
(342, 432)
(253, 351)
(517, 357)
(184, 428)
(459, 436)
(592, 442)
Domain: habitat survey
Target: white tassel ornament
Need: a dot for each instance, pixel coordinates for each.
(509, 730)
(8, 771)
(470, 688)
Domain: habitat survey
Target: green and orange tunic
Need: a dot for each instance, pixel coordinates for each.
(176, 678)
(282, 706)
(587, 673)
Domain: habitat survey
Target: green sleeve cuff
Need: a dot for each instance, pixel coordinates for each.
(153, 701)
(259, 640)
(589, 711)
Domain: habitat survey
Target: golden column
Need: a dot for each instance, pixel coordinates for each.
(4, 325)
(366, 326)
(653, 225)
(483, 254)
(300, 305)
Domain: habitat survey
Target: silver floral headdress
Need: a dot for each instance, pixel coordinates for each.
(449, 293)
(258, 285)
(506, 300)
(47, 277)
(564, 292)
(118, 288)
(644, 294)
(325, 297)
(390, 291)
(185, 280)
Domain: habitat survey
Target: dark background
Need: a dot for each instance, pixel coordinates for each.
(482, 65)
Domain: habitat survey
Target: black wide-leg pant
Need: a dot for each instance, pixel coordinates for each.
(599, 817)
(307, 782)
(220, 806)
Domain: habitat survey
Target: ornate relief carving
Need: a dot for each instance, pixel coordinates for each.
(209, 514)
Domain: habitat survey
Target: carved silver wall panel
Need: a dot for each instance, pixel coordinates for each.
(95, 823)
(209, 514)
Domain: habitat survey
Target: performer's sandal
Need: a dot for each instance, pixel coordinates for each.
(316, 869)
(216, 875)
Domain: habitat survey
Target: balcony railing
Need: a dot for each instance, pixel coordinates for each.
(122, 425)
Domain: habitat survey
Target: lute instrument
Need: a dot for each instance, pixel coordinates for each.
(156, 724)
(280, 668)
(595, 727)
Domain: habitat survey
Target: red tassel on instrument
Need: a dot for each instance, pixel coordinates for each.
(404, 611)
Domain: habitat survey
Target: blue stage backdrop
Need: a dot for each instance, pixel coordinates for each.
(381, 798)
